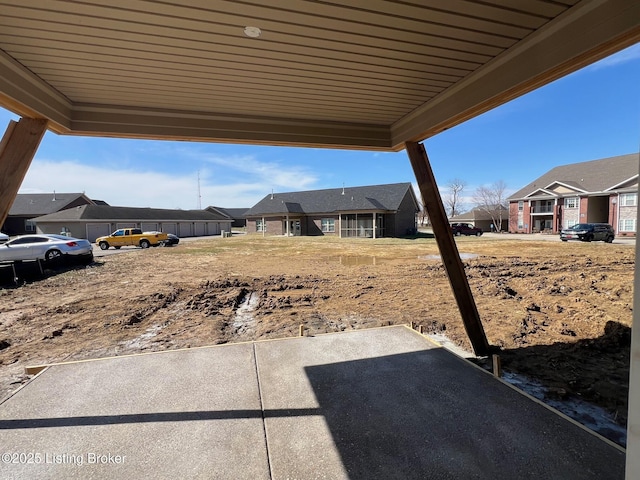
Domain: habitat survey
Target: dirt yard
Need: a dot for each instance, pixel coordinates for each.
(559, 312)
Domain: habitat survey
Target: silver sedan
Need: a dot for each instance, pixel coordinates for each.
(45, 247)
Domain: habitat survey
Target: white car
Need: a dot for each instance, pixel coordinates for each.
(3, 238)
(45, 247)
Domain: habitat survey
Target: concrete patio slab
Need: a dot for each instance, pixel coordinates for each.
(186, 414)
(381, 403)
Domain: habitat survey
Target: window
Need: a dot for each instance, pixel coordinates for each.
(520, 225)
(521, 205)
(628, 199)
(259, 225)
(328, 225)
(571, 223)
(571, 202)
(628, 225)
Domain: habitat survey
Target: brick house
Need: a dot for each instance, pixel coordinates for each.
(369, 212)
(598, 191)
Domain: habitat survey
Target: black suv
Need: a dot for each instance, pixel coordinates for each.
(588, 232)
(465, 229)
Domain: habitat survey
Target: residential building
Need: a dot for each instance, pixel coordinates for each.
(597, 191)
(368, 212)
(27, 206)
(481, 218)
(93, 221)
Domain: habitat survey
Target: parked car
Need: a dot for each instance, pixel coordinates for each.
(465, 229)
(132, 237)
(588, 232)
(171, 240)
(45, 247)
(3, 238)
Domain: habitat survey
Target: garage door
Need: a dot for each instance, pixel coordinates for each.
(170, 228)
(185, 230)
(149, 227)
(201, 229)
(95, 230)
(214, 228)
(126, 225)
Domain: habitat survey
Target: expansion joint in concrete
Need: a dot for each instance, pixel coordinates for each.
(264, 425)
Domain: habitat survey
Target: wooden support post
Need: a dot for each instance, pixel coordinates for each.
(421, 329)
(302, 330)
(447, 246)
(497, 365)
(17, 149)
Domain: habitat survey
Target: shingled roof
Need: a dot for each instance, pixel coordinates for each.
(590, 177)
(478, 213)
(34, 204)
(228, 212)
(106, 212)
(374, 197)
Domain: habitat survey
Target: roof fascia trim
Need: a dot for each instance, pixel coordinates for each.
(547, 192)
(618, 185)
(587, 32)
(27, 95)
(572, 187)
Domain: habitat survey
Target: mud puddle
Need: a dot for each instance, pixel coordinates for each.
(591, 416)
(463, 256)
(244, 320)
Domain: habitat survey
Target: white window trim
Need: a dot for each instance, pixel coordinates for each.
(628, 199)
(622, 225)
(330, 224)
(576, 205)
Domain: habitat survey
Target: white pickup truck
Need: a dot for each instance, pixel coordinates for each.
(131, 236)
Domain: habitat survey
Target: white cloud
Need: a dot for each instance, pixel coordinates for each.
(269, 174)
(126, 187)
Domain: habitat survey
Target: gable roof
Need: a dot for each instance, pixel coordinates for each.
(234, 213)
(590, 177)
(477, 213)
(107, 213)
(35, 204)
(374, 197)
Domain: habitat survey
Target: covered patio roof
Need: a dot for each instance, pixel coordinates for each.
(347, 74)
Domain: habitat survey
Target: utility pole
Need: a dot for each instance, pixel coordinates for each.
(199, 196)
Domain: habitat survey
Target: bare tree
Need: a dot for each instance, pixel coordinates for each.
(452, 199)
(491, 200)
(423, 215)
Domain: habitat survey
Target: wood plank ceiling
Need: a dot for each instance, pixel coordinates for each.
(355, 73)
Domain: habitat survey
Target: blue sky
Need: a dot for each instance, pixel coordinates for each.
(593, 113)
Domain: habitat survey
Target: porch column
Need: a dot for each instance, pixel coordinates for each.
(17, 148)
(374, 225)
(286, 228)
(447, 246)
(339, 225)
(633, 424)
